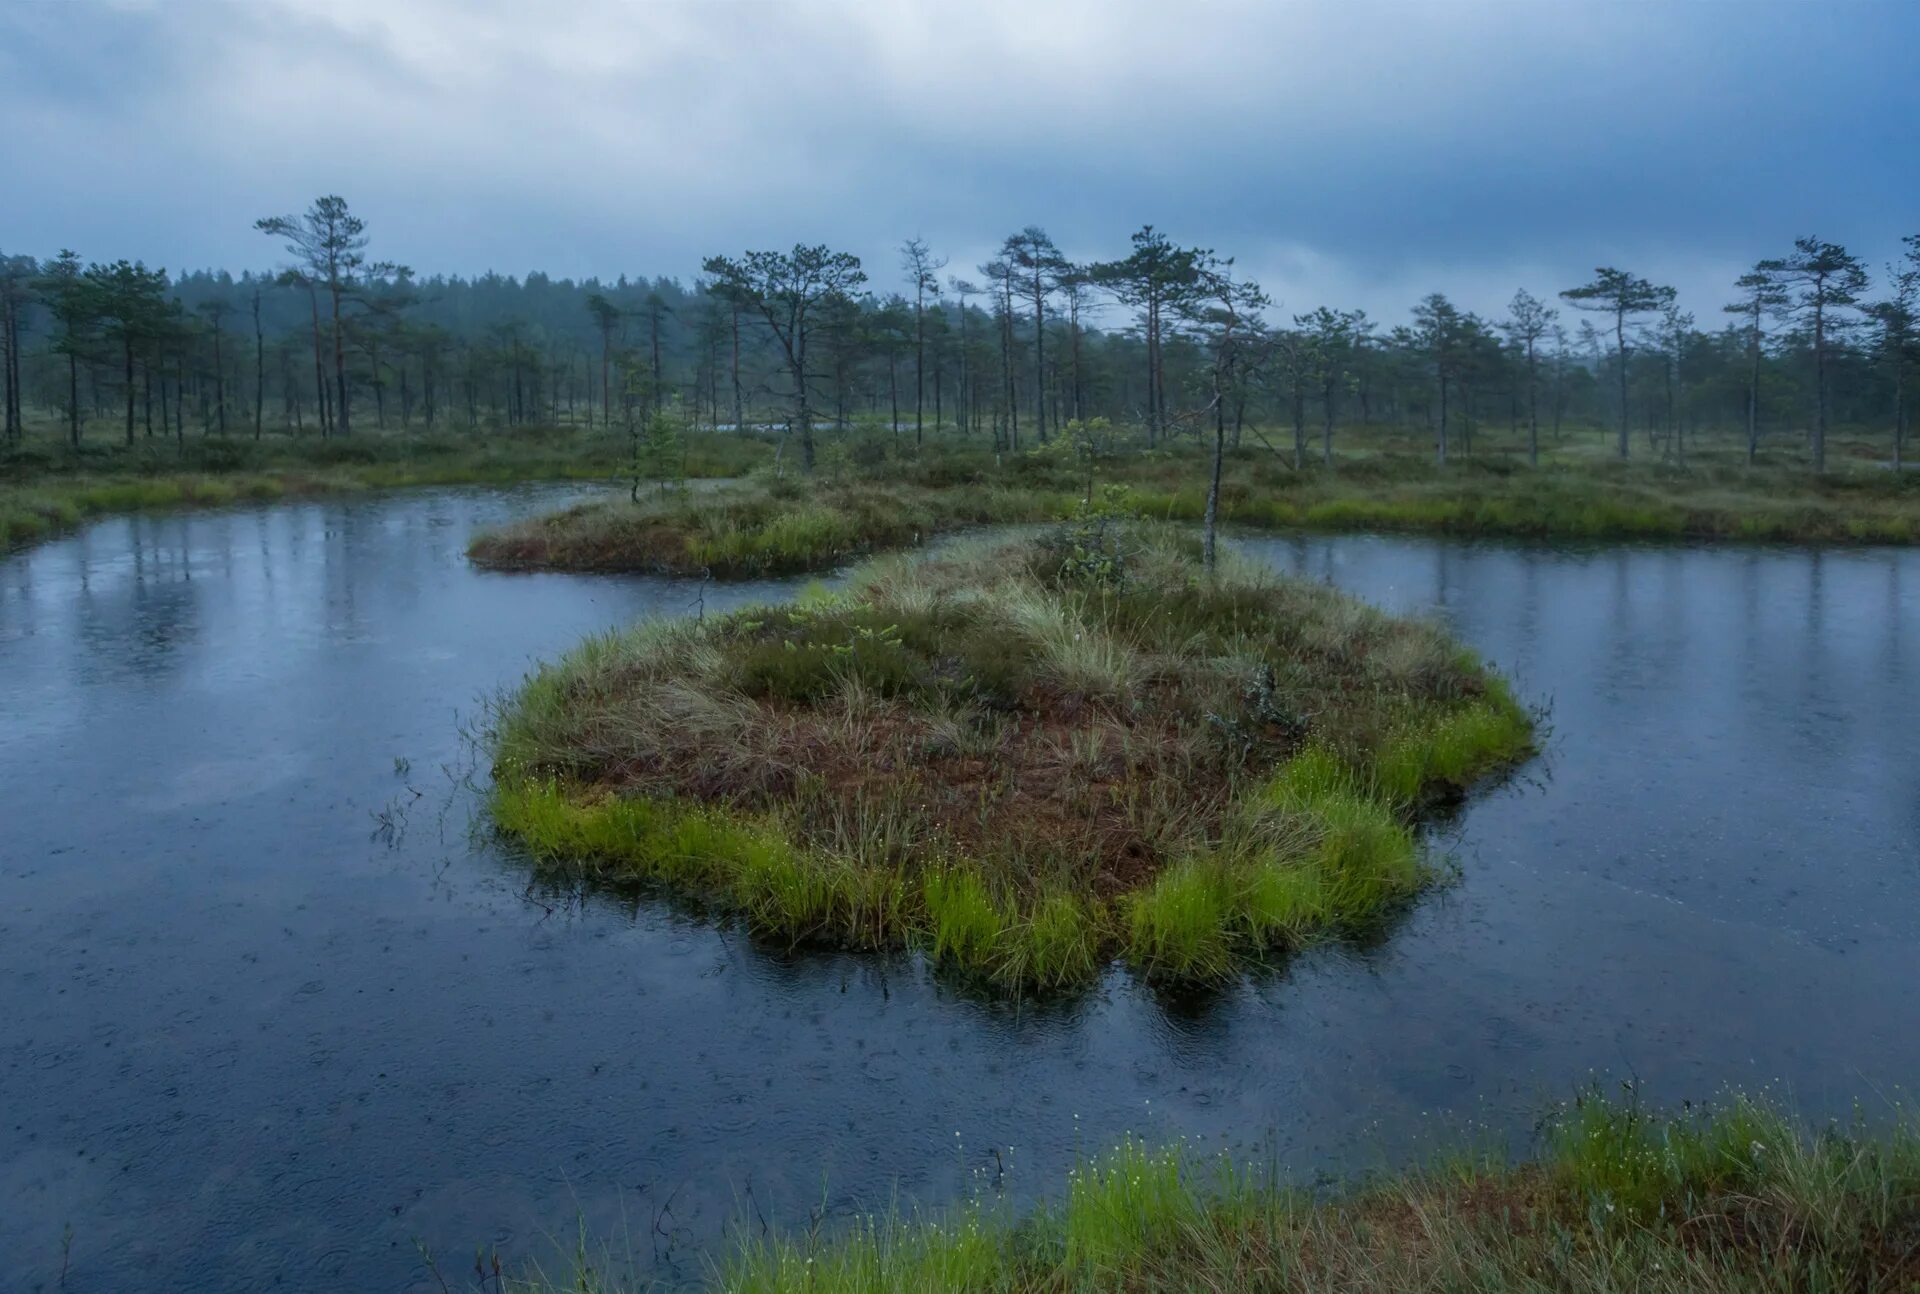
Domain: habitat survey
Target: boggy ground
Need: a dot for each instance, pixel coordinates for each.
(1022, 757)
(47, 486)
(889, 495)
(755, 529)
(1742, 1198)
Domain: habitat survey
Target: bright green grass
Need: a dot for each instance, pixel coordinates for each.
(1616, 1198)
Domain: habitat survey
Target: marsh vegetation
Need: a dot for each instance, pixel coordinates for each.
(47, 486)
(1021, 757)
(883, 493)
(1741, 1197)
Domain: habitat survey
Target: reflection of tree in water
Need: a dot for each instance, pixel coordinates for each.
(138, 622)
(344, 537)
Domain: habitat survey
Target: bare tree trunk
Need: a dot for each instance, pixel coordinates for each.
(1006, 357)
(73, 398)
(1327, 399)
(379, 396)
(798, 351)
(1156, 407)
(1620, 354)
(1533, 409)
(319, 367)
(739, 402)
(219, 377)
(1899, 412)
(259, 368)
(659, 378)
(1210, 540)
(19, 396)
(1753, 394)
(1820, 386)
(126, 346)
(1153, 408)
(1078, 403)
(1039, 354)
(1299, 427)
(963, 397)
(11, 321)
(343, 421)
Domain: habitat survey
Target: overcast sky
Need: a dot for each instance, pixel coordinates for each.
(1349, 154)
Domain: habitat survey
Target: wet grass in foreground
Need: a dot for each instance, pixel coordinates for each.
(1742, 1198)
(1023, 758)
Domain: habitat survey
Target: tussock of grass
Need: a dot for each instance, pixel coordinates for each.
(1020, 761)
(1621, 1199)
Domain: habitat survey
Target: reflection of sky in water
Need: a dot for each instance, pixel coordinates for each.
(248, 1033)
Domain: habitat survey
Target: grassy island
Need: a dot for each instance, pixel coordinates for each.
(1021, 757)
(767, 528)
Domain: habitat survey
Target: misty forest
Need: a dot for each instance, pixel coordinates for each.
(1809, 342)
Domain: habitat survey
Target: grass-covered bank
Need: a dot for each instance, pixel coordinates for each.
(898, 495)
(1599, 501)
(1024, 758)
(768, 528)
(1617, 1198)
(46, 488)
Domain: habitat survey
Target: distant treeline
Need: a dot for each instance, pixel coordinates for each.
(333, 341)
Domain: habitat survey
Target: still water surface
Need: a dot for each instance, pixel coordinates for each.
(248, 1037)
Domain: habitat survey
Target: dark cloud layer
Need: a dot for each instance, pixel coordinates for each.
(1352, 153)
